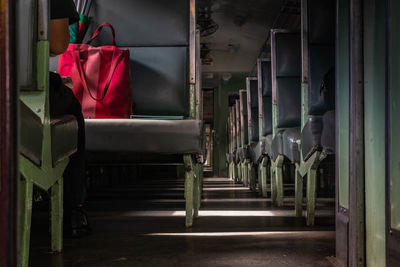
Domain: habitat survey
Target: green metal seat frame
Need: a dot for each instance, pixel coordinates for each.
(276, 171)
(243, 139)
(252, 168)
(309, 167)
(234, 147)
(47, 176)
(193, 164)
(265, 163)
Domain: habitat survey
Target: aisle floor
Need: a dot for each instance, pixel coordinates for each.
(143, 225)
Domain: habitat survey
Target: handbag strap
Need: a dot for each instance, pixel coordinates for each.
(113, 66)
(98, 30)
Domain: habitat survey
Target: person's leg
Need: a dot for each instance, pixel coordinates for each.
(62, 102)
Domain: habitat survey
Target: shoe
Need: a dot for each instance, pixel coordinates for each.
(78, 225)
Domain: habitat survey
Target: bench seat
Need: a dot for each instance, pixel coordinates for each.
(290, 145)
(236, 156)
(268, 145)
(328, 140)
(243, 153)
(277, 145)
(311, 136)
(144, 136)
(62, 128)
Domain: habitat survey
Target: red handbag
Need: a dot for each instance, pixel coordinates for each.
(101, 76)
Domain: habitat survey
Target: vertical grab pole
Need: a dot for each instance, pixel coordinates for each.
(357, 177)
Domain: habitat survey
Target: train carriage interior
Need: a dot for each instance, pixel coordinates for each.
(200, 133)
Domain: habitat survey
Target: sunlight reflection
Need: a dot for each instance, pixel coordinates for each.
(211, 213)
(261, 233)
(226, 189)
(222, 213)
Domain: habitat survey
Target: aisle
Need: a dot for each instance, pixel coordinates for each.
(143, 225)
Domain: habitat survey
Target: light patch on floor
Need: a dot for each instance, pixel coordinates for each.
(310, 234)
(225, 189)
(222, 213)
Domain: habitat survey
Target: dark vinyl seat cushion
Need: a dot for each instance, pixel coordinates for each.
(290, 145)
(157, 34)
(321, 21)
(289, 102)
(255, 152)
(144, 136)
(159, 81)
(144, 23)
(266, 115)
(31, 134)
(322, 79)
(328, 140)
(243, 117)
(277, 145)
(265, 94)
(234, 158)
(64, 137)
(311, 136)
(268, 145)
(252, 108)
(243, 153)
(237, 156)
(238, 124)
(229, 157)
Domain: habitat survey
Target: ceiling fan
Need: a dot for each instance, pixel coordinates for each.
(207, 25)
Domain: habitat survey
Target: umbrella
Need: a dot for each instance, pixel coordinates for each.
(78, 30)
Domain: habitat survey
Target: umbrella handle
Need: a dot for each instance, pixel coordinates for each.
(86, 7)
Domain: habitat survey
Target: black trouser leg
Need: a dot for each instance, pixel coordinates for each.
(63, 102)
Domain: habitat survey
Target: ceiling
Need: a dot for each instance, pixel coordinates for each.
(243, 30)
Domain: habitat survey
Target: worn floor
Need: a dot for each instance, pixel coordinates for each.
(143, 225)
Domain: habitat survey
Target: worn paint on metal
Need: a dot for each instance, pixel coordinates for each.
(298, 180)
(394, 118)
(189, 187)
(343, 98)
(312, 189)
(279, 180)
(374, 124)
(304, 104)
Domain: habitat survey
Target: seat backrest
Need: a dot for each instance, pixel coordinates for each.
(238, 126)
(264, 95)
(321, 56)
(243, 117)
(25, 41)
(252, 108)
(286, 77)
(231, 102)
(158, 35)
(32, 65)
(234, 132)
(230, 130)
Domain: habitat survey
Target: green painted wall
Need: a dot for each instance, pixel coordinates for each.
(221, 113)
(394, 116)
(374, 123)
(343, 98)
